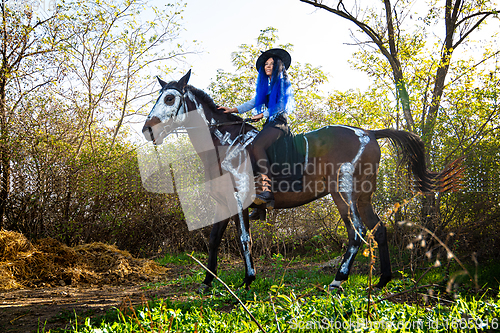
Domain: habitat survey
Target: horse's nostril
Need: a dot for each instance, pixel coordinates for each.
(151, 133)
(148, 133)
(147, 130)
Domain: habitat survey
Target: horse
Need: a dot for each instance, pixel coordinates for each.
(344, 160)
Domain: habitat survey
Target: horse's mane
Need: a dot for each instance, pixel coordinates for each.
(202, 96)
(205, 99)
(208, 102)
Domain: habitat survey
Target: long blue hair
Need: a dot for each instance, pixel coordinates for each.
(278, 97)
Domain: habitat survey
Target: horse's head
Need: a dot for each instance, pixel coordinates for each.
(169, 111)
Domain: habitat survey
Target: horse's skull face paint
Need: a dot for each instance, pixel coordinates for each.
(169, 111)
(167, 106)
(167, 114)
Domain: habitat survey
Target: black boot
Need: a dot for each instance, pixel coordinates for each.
(266, 196)
(258, 214)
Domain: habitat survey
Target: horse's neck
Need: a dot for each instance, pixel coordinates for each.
(199, 133)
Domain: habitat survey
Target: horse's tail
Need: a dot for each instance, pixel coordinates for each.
(412, 152)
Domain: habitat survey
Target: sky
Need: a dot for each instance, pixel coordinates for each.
(319, 37)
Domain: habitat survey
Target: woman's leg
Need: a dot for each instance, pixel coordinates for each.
(261, 143)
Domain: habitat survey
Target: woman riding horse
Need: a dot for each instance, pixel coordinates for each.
(273, 100)
(343, 161)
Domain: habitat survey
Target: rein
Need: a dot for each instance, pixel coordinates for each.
(236, 122)
(228, 123)
(211, 126)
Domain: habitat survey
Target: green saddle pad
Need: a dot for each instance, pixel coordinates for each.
(287, 159)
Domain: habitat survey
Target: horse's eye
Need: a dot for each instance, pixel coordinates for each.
(169, 99)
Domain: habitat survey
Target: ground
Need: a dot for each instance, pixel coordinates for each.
(30, 310)
(44, 284)
(42, 308)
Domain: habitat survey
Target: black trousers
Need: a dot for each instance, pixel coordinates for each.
(271, 132)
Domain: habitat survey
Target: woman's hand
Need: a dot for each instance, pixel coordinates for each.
(258, 116)
(228, 110)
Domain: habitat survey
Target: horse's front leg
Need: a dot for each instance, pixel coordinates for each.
(245, 245)
(213, 249)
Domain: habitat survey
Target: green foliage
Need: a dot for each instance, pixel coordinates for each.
(71, 167)
(179, 258)
(296, 301)
(452, 85)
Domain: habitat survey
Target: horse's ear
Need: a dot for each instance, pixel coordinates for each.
(162, 83)
(182, 83)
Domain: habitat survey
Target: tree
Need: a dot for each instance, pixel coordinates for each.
(460, 20)
(406, 52)
(113, 54)
(28, 42)
(73, 171)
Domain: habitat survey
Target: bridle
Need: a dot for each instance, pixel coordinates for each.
(183, 101)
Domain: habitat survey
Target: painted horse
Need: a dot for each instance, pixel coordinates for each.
(340, 160)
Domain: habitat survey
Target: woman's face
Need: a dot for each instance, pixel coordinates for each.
(268, 67)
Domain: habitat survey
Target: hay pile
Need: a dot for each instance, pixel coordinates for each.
(48, 262)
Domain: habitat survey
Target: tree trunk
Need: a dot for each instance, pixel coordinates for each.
(4, 154)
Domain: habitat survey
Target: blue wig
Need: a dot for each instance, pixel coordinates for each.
(274, 95)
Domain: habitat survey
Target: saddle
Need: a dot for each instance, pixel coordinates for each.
(287, 158)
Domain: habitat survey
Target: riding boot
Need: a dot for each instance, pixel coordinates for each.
(258, 214)
(266, 196)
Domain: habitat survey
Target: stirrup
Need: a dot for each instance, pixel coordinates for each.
(265, 197)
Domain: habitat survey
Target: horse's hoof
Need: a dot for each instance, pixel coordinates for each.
(335, 289)
(247, 281)
(203, 289)
(384, 280)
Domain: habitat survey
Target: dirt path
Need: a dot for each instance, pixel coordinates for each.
(46, 284)
(30, 310)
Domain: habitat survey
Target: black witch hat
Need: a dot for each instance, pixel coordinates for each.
(279, 53)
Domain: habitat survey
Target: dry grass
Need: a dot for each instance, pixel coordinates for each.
(48, 262)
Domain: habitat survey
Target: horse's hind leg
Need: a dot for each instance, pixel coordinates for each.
(355, 231)
(371, 220)
(213, 248)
